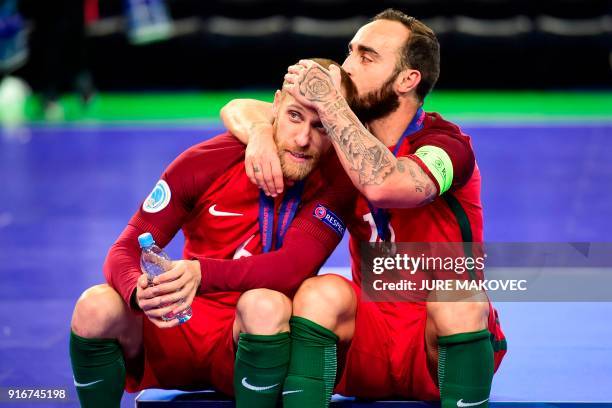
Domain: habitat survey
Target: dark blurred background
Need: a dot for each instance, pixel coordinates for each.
(232, 44)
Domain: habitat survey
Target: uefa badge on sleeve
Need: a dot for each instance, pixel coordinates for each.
(329, 218)
(158, 199)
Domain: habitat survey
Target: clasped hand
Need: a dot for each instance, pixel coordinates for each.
(170, 293)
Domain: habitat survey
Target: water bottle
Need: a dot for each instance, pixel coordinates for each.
(154, 261)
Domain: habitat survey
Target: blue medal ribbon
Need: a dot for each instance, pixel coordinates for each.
(381, 216)
(287, 211)
(415, 125)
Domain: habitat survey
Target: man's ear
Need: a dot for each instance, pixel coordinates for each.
(278, 96)
(407, 81)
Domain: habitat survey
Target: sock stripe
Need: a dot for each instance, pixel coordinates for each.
(441, 366)
(330, 366)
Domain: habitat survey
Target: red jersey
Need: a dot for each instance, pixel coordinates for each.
(206, 192)
(388, 355)
(438, 220)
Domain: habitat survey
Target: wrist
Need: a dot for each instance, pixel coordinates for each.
(196, 271)
(330, 108)
(201, 268)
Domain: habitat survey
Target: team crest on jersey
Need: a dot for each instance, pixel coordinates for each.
(329, 218)
(158, 199)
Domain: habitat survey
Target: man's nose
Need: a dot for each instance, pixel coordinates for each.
(346, 66)
(302, 139)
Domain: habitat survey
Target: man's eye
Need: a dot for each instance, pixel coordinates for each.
(364, 59)
(293, 115)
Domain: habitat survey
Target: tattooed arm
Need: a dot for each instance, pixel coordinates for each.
(386, 181)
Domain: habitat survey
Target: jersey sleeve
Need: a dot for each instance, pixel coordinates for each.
(168, 205)
(447, 159)
(325, 216)
(313, 235)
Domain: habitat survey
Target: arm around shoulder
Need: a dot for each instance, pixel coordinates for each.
(242, 117)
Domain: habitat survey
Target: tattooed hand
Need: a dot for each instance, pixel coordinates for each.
(316, 84)
(310, 84)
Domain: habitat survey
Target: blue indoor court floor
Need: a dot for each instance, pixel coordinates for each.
(68, 191)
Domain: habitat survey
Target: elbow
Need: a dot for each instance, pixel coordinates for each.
(234, 105)
(113, 263)
(383, 197)
(226, 111)
(378, 196)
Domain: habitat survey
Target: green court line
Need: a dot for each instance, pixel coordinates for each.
(526, 106)
(486, 106)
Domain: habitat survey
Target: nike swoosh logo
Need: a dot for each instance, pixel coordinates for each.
(291, 392)
(257, 388)
(216, 213)
(462, 404)
(78, 384)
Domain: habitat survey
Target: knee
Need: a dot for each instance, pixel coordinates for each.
(457, 317)
(326, 297)
(98, 313)
(263, 311)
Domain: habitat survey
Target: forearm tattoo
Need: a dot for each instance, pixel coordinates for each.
(366, 155)
(369, 158)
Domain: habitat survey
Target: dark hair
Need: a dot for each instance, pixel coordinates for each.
(421, 51)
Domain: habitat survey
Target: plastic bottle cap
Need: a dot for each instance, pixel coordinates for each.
(146, 240)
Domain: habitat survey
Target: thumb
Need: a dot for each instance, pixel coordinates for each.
(336, 76)
(143, 281)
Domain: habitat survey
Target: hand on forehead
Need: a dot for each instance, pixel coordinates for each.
(330, 73)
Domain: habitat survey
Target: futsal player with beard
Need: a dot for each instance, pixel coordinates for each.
(245, 255)
(420, 183)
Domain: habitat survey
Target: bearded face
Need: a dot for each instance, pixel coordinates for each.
(378, 103)
(296, 162)
(300, 138)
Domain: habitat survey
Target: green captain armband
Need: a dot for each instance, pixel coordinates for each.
(439, 164)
